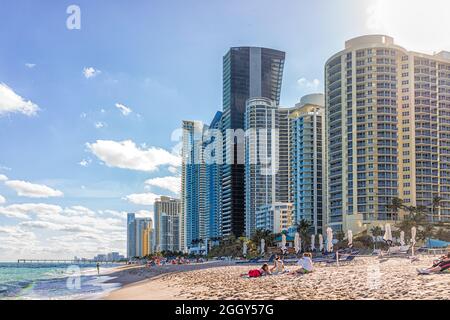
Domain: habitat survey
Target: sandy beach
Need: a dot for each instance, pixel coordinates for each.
(364, 278)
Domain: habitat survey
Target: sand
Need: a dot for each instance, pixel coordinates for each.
(364, 278)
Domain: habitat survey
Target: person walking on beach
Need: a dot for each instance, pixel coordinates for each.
(98, 268)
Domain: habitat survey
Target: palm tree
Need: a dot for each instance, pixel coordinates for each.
(395, 206)
(303, 228)
(436, 204)
(376, 232)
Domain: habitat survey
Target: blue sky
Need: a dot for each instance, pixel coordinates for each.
(132, 73)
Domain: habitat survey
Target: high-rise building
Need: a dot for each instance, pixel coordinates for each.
(147, 240)
(308, 161)
(275, 217)
(387, 132)
(213, 165)
(193, 185)
(247, 72)
(169, 236)
(169, 206)
(142, 237)
(131, 235)
(266, 157)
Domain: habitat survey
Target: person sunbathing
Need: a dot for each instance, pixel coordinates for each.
(256, 273)
(305, 263)
(278, 265)
(440, 265)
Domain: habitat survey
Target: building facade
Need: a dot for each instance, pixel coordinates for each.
(169, 237)
(169, 206)
(193, 185)
(307, 161)
(387, 115)
(143, 225)
(131, 235)
(247, 72)
(266, 157)
(213, 170)
(274, 217)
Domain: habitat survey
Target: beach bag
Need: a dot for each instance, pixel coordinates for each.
(254, 273)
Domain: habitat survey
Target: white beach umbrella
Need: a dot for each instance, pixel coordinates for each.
(244, 248)
(413, 235)
(297, 244)
(402, 238)
(320, 242)
(387, 232)
(329, 239)
(350, 237)
(263, 246)
(283, 242)
(413, 238)
(313, 240)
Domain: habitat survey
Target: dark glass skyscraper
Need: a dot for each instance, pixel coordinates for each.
(248, 72)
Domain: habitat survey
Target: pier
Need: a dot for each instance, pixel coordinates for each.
(68, 261)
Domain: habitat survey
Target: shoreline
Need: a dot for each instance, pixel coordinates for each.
(366, 278)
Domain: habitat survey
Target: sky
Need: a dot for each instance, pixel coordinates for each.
(87, 116)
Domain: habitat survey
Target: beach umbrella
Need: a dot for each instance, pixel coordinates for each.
(320, 242)
(329, 239)
(244, 248)
(387, 232)
(263, 246)
(283, 242)
(350, 238)
(413, 238)
(413, 235)
(297, 244)
(313, 239)
(402, 238)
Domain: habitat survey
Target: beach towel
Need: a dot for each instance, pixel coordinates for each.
(254, 273)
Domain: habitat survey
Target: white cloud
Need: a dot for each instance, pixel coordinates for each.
(100, 125)
(2, 199)
(127, 155)
(124, 109)
(27, 189)
(3, 177)
(399, 19)
(173, 169)
(75, 231)
(83, 115)
(309, 84)
(11, 102)
(144, 199)
(173, 184)
(24, 211)
(85, 162)
(30, 65)
(90, 72)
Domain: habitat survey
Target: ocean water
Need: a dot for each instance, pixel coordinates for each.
(54, 281)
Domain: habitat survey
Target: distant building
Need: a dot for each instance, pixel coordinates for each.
(193, 185)
(168, 206)
(213, 171)
(169, 226)
(131, 235)
(147, 244)
(142, 227)
(275, 217)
